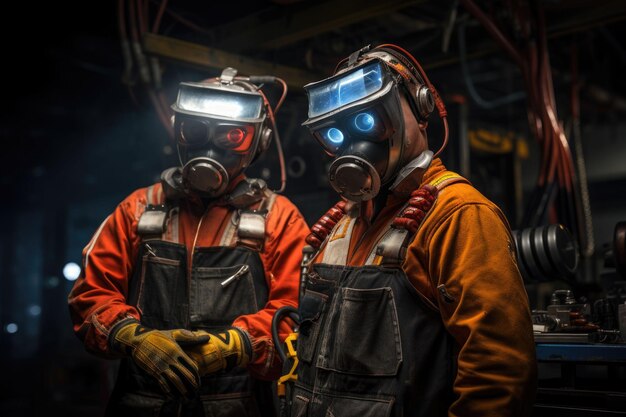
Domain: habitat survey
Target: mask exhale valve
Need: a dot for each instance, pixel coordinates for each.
(354, 178)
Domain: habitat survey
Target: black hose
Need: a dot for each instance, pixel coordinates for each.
(480, 101)
(292, 312)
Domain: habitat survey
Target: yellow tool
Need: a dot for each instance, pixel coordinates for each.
(291, 376)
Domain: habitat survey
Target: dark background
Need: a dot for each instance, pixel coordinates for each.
(79, 133)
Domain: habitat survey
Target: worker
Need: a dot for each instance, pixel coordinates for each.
(181, 281)
(413, 304)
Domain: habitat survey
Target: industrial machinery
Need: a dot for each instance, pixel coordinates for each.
(580, 342)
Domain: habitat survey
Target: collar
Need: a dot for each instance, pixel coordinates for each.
(199, 204)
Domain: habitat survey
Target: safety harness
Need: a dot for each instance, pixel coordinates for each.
(251, 200)
(391, 246)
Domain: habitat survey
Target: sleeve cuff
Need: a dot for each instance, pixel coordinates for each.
(114, 346)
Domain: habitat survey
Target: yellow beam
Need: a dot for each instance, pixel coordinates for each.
(205, 57)
(277, 28)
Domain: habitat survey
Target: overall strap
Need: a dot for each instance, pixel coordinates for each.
(391, 248)
(247, 223)
(157, 216)
(251, 226)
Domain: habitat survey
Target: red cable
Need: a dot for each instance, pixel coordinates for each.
(159, 16)
(441, 107)
(140, 17)
(282, 97)
(281, 156)
(121, 21)
(187, 22)
(445, 136)
(495, 32)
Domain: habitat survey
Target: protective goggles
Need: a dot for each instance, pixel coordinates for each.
(357, 104)
(214, 100)
(196, 132)
(214, 114)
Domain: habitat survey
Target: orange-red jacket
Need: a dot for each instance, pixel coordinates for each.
(98, 299)
(465, 244)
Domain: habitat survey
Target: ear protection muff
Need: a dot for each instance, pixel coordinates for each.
(423, 96)
(420, 97)
(265, 139)
(425, 103)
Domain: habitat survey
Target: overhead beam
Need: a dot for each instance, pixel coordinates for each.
(605, 13)
(270, 30)
(204, 57)
(612, 11)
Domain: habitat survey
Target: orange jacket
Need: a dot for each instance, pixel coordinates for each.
(98, 299)
(465, 244)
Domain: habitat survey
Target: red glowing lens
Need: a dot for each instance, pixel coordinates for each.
(236, 136)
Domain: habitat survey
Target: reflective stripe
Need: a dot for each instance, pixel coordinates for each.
(448, 178)
(159, 197)
(93, 240)
(149, 199)
(336, 251)
(171, 229)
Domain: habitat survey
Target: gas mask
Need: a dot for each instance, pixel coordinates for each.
(219, 128)
(356, 115)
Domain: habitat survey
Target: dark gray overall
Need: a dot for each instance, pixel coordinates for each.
(369, 345)
(169, 297)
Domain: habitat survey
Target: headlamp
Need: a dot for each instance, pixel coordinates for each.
(213, 100)
(346, 88)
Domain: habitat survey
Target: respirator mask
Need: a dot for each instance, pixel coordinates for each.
(219, 129)
(356, 115)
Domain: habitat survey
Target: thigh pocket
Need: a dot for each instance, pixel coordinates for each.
(300, 401)
(364, 335)
(311, 309)
(361, 407)
(138, 405)
(230, 406)
(220, 295)
(300, 406)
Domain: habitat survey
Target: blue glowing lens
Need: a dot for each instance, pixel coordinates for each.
(364, 122)
(334, 135)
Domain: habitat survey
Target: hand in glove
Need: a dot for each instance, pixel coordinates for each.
(159, 353)
(224, 351)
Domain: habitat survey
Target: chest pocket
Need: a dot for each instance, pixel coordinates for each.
(370, 316)
(220, 295)
(162, 290)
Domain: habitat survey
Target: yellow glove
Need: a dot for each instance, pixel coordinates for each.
(159, 353)
(224, 351)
